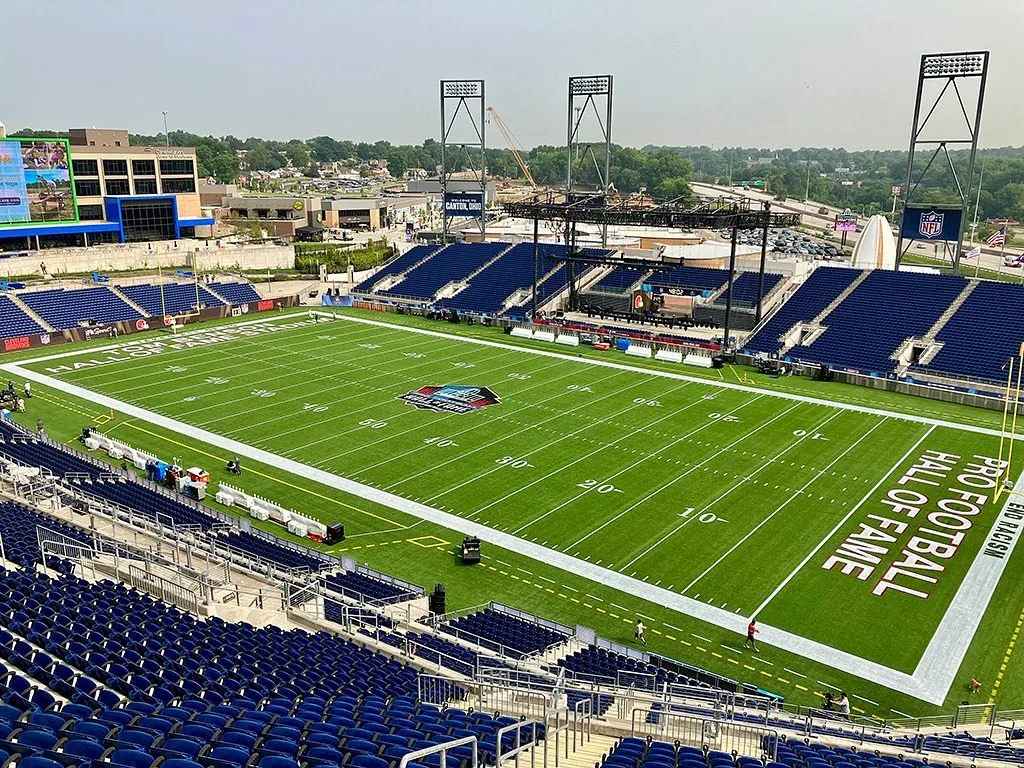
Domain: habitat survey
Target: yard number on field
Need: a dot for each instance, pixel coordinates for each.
(520, 376)
(812, 435)
(216, 380)
(314, 407)
(703, 517)
(599, 487)
(512, 461)
(441, 442)
(414, 355)
(723, 417)
(370, 346)
(645, 401)
(579, 388)
(373, 423)
(262, 393)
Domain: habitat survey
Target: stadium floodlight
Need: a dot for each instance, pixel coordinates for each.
(593, 85)
(463, 88)
(955, 69)
(971, 64)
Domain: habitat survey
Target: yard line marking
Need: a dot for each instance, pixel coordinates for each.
(672, 482)
(842, 522)
(462, 455)
(616, 605)
(538, 449)
(631, 507)
(730, 648)
(787, 669)
(782, 506)
(645, 616)
(677, 629)
(827, 685)
(685, 377)
(869, 701)
(700, 637)
(594, 597)
(586, 456)
(903, 714)
(545, 578)
(571, 589)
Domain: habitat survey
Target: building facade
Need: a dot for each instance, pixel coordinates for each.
(123, 194)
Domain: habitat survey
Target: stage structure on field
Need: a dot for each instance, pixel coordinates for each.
(568, 210)
(464, 138)
(953, 76)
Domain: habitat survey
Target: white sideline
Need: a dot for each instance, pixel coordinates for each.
(931, 680)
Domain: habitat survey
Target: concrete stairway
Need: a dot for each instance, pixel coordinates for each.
(951, 310)
(121, 295)
(590, 754)
(840, 298)
(389, 282)
(29, 311)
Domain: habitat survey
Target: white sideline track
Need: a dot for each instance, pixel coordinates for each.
(931, 680)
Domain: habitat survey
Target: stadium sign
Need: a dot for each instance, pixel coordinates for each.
(451, 398)
(931, 223)
(463, 204)
(846, 221)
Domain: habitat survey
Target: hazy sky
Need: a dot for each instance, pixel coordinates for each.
(767, 73)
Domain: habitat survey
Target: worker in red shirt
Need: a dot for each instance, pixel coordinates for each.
(750, 642)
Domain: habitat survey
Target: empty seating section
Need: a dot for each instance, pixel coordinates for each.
(504, 632)
(453, 263)
(696, 279)
(19, 528)
(366, 588)
(396, 266)
(600, 663)
(95, 671)
(744, 288)
(881, 312)
(271, 552)
(236, 293)
(488, 290)
(66, 309)
(822, 288)
(15, 322)
(620, 280)
(29, 451)
(982, 334)
(170, 298)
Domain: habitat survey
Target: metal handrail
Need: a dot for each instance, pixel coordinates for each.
(443, 749)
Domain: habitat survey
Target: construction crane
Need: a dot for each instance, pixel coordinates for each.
(512, 146)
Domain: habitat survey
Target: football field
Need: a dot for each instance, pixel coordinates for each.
(866, 539)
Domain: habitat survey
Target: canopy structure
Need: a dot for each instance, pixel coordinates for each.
(876, 248)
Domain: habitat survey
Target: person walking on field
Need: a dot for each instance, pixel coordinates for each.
(638, 635)
(752, 630)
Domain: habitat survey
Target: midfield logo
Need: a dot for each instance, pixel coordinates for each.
(451, 398)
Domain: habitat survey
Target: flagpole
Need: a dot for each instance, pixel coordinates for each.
(974, 226)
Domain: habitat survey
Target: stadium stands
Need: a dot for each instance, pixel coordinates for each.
(822, 288)
(366, 588)
(172, 299)
(504, 632)
(15, 322)
(396, 266)
(236, 293)
(513, 271)
(18, 528)
(694, 279)
(620, 280)
(981, 335)
(269, 551)
(603, 664)
(744, 288)
(156, 685)
(857, 337)
(64, 309)
(450, 264)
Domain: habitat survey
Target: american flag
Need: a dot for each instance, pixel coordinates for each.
(997, 238)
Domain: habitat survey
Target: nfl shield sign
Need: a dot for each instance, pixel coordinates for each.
(930, 224)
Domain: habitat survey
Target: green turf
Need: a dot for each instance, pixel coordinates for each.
(714, 493)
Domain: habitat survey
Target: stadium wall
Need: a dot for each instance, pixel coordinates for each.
(115, 330)
(145, 256)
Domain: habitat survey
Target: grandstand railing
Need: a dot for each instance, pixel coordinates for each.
(519, 746)
(695, 731)
(164, 589)
(443, 750)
